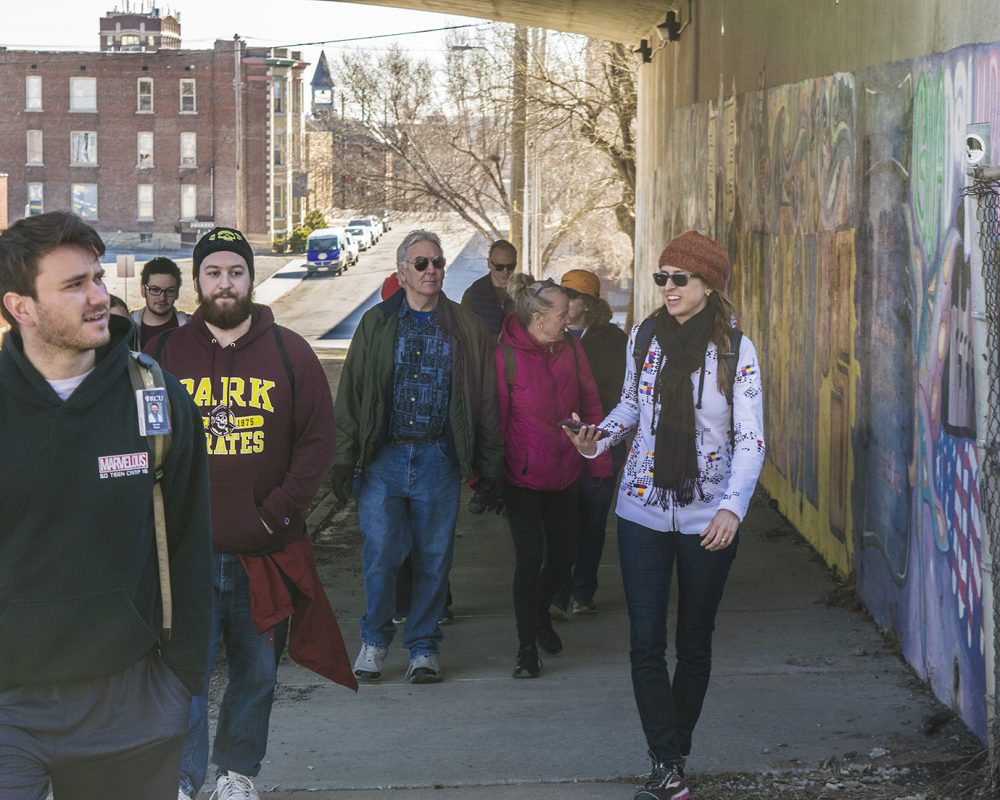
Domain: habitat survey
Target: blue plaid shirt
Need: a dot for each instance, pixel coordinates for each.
(422, 377)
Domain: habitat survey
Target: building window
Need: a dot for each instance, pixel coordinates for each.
(279, 204)
(144, 157)
(188, 105)
(189, 149)
(145, 237)
(129, 41)
(189, 201)
(279, 153)
(83, 94)
(84, 200)
(145, 204)
(33, 93)
(144, 102)
(83, 148)
(36, 202)
(279, 96)
(34, 148)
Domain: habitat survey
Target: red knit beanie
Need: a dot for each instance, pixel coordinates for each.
(693, 252)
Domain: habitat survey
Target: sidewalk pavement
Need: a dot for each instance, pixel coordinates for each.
(796, 680)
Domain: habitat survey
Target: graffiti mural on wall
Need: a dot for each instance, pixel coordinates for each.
(849, 235)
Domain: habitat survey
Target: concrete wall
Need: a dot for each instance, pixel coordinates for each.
(826, 150)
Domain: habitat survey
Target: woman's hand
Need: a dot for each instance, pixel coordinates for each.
(586, 440)
(720, 531)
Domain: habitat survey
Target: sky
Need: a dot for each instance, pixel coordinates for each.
(73, 25)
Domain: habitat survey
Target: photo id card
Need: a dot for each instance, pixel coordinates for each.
(154, 416)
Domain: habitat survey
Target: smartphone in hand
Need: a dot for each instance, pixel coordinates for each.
(575, 425)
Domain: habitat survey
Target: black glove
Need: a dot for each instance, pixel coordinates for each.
(491, 491)
(341, 478)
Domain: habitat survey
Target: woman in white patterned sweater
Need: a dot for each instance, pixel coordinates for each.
(687, 484)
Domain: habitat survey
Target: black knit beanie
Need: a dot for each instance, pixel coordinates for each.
(217, 239)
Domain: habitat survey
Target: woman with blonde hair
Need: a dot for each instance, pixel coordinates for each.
(542, 378)
(692, 394)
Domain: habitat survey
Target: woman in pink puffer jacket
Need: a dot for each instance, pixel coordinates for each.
(542, 378)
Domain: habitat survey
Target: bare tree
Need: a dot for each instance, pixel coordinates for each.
(596, 96)
(451, 133)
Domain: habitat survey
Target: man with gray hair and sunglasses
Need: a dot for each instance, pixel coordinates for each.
(416, 414)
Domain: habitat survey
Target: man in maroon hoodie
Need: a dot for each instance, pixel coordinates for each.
(268, 416)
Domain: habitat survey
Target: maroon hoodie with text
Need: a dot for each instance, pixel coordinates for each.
(269, 426)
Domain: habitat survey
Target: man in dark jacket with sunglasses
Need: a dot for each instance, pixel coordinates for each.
(488, 297)
(416, 414)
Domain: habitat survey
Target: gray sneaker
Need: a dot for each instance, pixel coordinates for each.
(368, 664)
(233, 786)
(584, 607)
(424, 668)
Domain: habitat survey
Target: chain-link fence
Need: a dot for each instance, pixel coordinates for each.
(987, 195)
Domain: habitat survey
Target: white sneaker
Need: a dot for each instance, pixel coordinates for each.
(368, 664)
(424, 668)
(233, 786)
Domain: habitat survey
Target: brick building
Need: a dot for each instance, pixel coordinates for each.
(348, 169)
(156, 147)
(146, 32)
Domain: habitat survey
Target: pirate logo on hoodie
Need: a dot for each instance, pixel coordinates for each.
(221, 420)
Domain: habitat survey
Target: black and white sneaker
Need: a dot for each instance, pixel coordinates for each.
(528, 664)
(666, 782)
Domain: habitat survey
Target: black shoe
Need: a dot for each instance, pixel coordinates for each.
(548, 639)
(666, 782)
(528, 664)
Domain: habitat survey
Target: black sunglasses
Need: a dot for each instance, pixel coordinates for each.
(420, 263)
(680, 279)
(501, 267)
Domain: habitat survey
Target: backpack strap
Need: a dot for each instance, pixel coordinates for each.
(732, 357)
(640, 347)
(161, 342)
(145, 373)
(286, 362)
(509, 369)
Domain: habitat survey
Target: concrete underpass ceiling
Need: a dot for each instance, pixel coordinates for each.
(625, 21)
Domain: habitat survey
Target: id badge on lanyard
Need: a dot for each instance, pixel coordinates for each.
(152, 410)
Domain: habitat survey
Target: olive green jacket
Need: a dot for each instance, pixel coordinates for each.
(365, 392)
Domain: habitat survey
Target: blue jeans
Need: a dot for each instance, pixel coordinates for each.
(408, 504)
(595, 503)
(668, 711)
(252, 662)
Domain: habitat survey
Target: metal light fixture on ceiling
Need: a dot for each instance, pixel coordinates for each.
(643, 53)
(670, 29)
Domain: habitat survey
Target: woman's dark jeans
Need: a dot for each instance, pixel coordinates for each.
(543, 526)
(669, 711)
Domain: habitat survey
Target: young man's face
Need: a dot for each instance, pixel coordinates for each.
(225, 289)
(161, 292)
(70, 310)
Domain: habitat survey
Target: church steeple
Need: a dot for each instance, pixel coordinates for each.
(322, 85)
